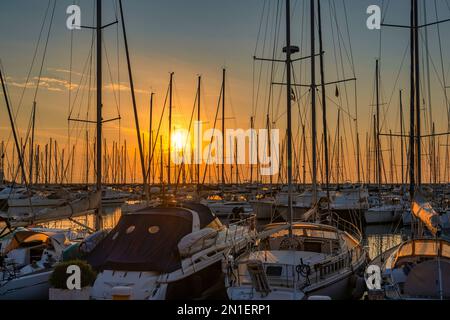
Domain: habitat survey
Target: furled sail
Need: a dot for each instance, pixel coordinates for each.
(423, 211)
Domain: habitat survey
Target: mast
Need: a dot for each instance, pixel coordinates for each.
(251, 154)
(289, 50)
(170, 125)
(150, 140)
(16, 141)
(377, 135)
(32, 141)
(412, 107)
(133, 97)
(401, 139)
(269, 149)
(417, 91)
(313, 102)
(199, 84)
(98, 220)
(324, 104)
(161, 164)
(223, 127)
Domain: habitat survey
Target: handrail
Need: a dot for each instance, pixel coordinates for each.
(318, 271)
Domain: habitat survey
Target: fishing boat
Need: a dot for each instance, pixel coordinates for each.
(167, 252)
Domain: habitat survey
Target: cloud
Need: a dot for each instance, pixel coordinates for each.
(65, 71)
(45, 83)
(123, 87)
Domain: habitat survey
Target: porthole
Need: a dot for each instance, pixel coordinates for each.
(153, 229)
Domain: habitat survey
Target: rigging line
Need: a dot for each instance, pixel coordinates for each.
(187, 142)
(272, 67)
(212, 135)
(341, 43)
(254, 54)
(348, 36)
(111, 78)
(261, 64)
(87, 68)
(34, 58)
(442, 63)
(394, 89)
(45, 50)
(39, 79)
(30, 69)
(159, 125)
(260, 27)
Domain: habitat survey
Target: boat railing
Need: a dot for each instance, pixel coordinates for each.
(343, 225)
(234, 233)
(300, 276)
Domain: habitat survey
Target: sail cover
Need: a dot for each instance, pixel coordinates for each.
(423, 210)
(144, 241)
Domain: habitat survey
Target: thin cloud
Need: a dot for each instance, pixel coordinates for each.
(122, 87)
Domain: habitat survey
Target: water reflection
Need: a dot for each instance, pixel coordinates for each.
(380, 238)
(110, 216)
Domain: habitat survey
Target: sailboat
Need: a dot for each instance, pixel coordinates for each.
(27, 260)
(418, 268)
(300, 260)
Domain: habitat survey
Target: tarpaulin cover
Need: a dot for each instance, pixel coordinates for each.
(146, 240)
(425, 281)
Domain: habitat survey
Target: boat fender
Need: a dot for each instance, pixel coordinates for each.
(359, 288)
(121, 293)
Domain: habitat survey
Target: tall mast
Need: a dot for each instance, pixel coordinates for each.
(98, 220)
(16, 141)
(150, 139)
(289, 50)
(32, 142)
(313, 101)
(223, 127)
(377, 136)
(412, 106)
(133, 98)
(161, 162)
(417, 91)
(324, 102)
(198, 142)
(170, 125)
(251, 154)
(401, 139)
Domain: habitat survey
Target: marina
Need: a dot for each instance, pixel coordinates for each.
(339, 189)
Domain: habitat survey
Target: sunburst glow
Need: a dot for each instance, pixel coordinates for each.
(179, 140)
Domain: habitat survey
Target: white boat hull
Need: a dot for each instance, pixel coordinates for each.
(29, 287)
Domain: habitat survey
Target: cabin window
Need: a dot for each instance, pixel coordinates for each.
(273, 271)
(313, 246)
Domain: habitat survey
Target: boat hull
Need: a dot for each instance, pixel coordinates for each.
(30, 287)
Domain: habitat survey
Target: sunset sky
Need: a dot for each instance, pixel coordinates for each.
(200, 37)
